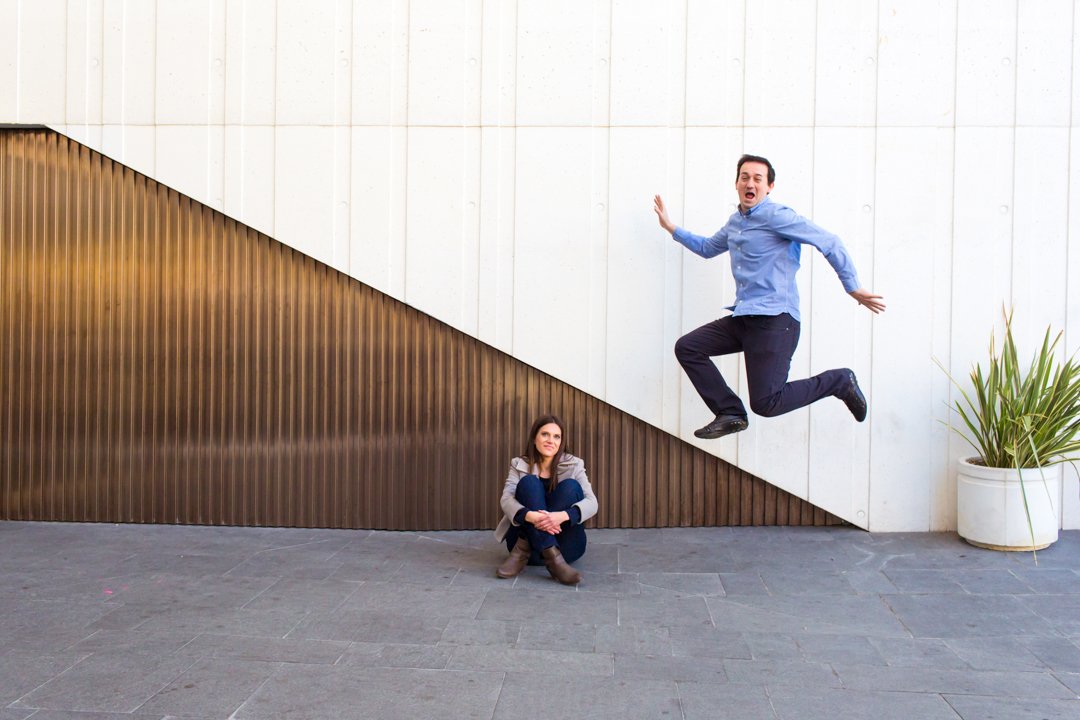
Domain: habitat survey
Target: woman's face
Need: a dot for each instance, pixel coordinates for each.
(548, 440)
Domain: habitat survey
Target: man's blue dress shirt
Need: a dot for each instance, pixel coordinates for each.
(765, 244)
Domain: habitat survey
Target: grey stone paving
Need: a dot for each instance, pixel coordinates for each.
(101, 622)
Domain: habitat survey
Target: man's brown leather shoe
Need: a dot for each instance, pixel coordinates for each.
(519, 557)
(559, 568)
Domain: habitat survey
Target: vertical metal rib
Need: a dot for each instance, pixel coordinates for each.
(162, 363)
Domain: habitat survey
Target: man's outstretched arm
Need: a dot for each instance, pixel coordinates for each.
(706, 247)
(789, 224)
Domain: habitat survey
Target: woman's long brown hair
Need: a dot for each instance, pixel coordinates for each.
(532, 455)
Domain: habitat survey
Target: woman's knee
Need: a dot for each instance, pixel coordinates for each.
(529, 482)
(530, 490)
(570, 491)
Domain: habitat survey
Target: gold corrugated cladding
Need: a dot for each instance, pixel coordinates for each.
(162, 363)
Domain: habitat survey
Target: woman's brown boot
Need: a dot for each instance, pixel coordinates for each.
(519, 558)
(559, 568)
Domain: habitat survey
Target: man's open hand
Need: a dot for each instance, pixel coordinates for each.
(868, 300)
(661, 213)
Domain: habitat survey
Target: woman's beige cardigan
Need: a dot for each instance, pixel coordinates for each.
(570, 468)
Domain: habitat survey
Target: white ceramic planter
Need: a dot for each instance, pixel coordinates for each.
(990, 506)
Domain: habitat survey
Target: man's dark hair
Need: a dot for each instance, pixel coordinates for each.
(759, 159)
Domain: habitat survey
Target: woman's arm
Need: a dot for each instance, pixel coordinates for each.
(587, 506)
(508, 502)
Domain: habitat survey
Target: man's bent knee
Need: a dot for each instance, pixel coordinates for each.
(684, 350)
(766, 407)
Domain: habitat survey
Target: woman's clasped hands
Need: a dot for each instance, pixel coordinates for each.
(549, 522)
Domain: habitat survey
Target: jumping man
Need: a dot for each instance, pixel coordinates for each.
(765, 240)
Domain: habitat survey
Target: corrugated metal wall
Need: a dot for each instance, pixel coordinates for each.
(160, 362)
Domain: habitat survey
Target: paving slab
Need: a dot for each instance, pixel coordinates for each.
(493, 658)
(683, 583)
(830, 615)
(1049, 581)
(155, 642)
(21, 674)
(781, 672)
(771, 646)
(202, 617)
(665, 612)
(568, 637)
(525, 697)
(170, 590)
(1055, 653)
(364, 626)
(666, 667)
(108, 682)
(555, 605)
(290, 594)
(346, 693)
(243, 647)
(676, 557)
(796, 581)
(946, 681)
(1070, 680)
(77, 715)
(869, 582)
(23, 713)
(394, 656)
(210, 686)
(414, 600)
(610, 583)
(725, 701)
(464, 631)
(962, 615)
(843, 649)
(997, 653)
(691, 641)
(597, 559)
(974, 707)
(747, 582)
(633, 640)
(917, 652)
(830, 704)
(1062, 612)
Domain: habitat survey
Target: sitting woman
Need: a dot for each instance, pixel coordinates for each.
(545, 500)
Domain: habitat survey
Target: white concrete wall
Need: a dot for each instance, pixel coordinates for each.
(492, 163)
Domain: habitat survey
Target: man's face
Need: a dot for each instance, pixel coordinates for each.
(752, 184)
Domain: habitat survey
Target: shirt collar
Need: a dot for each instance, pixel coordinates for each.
(754, 209)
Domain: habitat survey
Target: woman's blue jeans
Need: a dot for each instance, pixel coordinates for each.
(532, 493)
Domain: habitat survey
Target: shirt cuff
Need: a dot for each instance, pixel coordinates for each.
(575, 515)
(519, 517)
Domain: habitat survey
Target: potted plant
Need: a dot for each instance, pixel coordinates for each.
(1024, 425)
